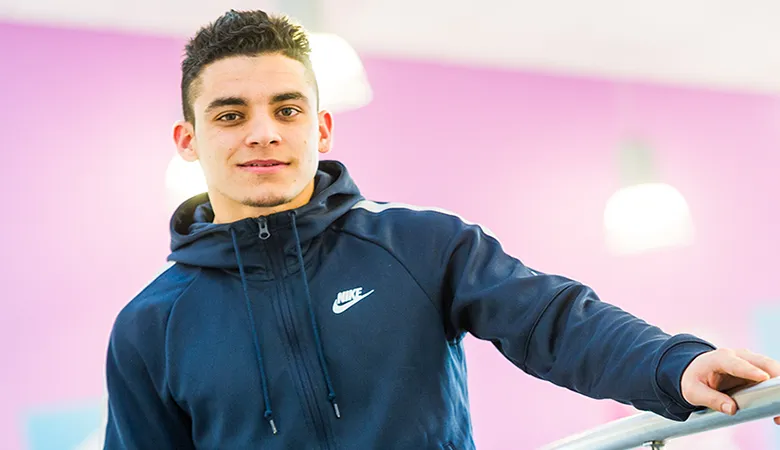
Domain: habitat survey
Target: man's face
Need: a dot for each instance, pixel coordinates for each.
(257, 132)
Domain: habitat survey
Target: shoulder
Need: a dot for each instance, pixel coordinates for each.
(419, 219)
(370, 217)
(411, 233)
(146, 315)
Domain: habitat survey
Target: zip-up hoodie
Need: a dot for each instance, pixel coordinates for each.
(338, 325)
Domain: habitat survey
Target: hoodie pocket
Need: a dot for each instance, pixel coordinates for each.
(448, 446)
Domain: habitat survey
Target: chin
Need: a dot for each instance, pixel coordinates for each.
(266, 202)
(268, 199)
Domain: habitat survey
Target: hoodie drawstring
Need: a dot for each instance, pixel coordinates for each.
(268, 415)
(314, 327)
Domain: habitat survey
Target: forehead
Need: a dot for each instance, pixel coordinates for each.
(256, 78)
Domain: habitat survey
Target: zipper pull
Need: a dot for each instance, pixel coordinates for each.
(264, 232)
(336, 410)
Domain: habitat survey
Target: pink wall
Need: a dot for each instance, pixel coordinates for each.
(86, 126)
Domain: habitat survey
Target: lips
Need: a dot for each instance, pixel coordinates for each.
(262, 163)
(263, 167)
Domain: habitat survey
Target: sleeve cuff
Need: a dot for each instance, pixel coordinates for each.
(677, 356)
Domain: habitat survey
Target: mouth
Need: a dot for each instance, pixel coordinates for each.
(263, 166)
(263, 163)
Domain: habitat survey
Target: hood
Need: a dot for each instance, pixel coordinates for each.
(196, 241)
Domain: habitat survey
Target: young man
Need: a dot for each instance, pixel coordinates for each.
(300, 315)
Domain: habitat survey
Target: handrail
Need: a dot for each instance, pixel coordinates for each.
(756, 402)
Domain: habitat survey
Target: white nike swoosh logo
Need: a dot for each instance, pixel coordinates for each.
(338, 309)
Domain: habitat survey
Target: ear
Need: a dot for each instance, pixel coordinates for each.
(326, 131)
(184, 137)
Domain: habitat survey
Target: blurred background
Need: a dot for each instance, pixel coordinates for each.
(634, 146)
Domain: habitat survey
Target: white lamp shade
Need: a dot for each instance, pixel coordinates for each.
(645, 217)
(340, 74)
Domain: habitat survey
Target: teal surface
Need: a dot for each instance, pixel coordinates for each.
(61, 427)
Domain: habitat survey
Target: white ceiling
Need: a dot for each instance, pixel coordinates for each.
(733, 44)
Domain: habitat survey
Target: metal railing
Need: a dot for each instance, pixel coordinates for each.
(650, 430)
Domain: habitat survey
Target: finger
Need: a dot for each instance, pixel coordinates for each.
(741, 368)
(765, 363)
(777, 420)
(703, 395)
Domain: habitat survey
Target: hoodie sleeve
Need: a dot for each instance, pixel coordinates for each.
(141, 413)
(558, 330)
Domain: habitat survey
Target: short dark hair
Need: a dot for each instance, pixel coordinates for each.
(241, 33)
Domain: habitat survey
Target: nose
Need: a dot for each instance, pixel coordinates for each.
(263, 132)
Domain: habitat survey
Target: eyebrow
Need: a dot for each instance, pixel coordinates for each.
(287, 96)
(238, 101)
(225, 101)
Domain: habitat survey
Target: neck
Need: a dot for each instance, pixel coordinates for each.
(227, 210)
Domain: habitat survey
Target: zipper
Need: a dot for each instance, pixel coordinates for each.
(264, 233)
(289, 327)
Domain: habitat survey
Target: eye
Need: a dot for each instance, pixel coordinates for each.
(288, 112)
(229, 117)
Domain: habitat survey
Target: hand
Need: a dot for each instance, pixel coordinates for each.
(711, 373)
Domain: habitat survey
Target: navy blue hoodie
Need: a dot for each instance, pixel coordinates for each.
(234, 346)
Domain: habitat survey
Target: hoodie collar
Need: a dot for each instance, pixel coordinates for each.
(197, 241)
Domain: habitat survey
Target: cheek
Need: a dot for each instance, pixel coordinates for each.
(220, 145)
(224, 139)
